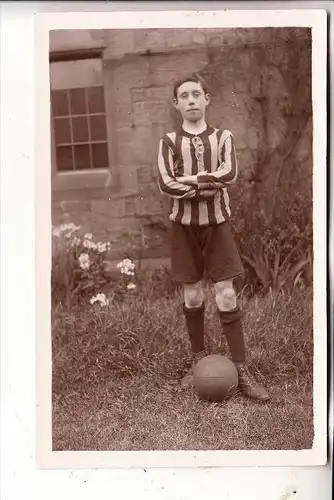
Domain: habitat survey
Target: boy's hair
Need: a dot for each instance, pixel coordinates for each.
(193, 77)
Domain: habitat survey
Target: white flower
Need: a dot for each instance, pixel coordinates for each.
(100, 297)
(88, 236)
(84, 261)
(101, 247)
(128, 263)
(76, 242)
(89, 244)
(56, 231)
(131, 286)
(68, 229)
(127, 267)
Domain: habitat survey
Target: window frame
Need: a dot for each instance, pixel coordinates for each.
(73, 180)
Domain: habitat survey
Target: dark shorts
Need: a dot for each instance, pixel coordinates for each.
(204, 250)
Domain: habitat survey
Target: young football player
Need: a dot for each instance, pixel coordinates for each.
(196, 165)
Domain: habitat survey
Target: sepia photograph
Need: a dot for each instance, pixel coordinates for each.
(182, 239)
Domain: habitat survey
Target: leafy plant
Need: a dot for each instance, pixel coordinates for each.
(278, 273)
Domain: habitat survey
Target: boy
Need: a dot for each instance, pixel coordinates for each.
(196, 164)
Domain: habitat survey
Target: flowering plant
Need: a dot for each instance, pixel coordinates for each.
(78, 269)
(78, 263)
(101, 298)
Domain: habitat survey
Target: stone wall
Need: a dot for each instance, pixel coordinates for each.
(249, 74)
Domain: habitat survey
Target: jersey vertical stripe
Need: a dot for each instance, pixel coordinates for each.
(187, 213)
(223, 209)
(210, 154)
(179, 211)
(194, 169)
(209, 151)
(180, 166)
(227, 201)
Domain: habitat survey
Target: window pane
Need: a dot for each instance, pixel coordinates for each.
(95, 99)
(62, 130)
(78, 102)
(80, 129)
(59, 103)
(64, 158)
(100, 155)
(98, 128)
(81, 154)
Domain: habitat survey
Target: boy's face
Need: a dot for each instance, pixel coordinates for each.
(191, 101)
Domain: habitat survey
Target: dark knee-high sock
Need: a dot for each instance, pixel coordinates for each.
(233, 331)
(195, 325)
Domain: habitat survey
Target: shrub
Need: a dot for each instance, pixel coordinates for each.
(279, 251)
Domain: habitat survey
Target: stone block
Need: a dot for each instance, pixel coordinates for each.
(57, 211)
(73, 206)
(118, 43)
(131, 74)
(150, 204)
(114, 227)
(145, 174)
(164, 93)
(164, 76)
(214, 40)
(179, 38)
(210, 31)
(138, 94)
(75, 39)
(136, 145)
(123, 139)
(161, 39)
(198, 37)
(122, 116)
(180, 63)
(128, 180)
(148, 188)
(114, 208)
(130, 206)
(150, 40)
(148, 112)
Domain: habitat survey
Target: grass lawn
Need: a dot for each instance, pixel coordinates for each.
(116, 372)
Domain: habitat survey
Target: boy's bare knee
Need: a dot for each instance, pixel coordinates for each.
(193, 295)
(226, 297)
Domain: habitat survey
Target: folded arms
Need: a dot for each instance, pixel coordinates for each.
(204, 184)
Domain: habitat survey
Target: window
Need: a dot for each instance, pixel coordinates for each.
(78, 115)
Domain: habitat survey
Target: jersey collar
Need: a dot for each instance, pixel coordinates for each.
(203, 134)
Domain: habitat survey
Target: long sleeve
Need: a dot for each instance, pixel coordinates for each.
(167, 180)
(227, 172)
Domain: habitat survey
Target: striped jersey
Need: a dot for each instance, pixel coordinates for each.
(178, 157)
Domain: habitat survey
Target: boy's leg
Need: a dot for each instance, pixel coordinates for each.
(193, 309)
(230, 317)
(187, 268)
(223, 262)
